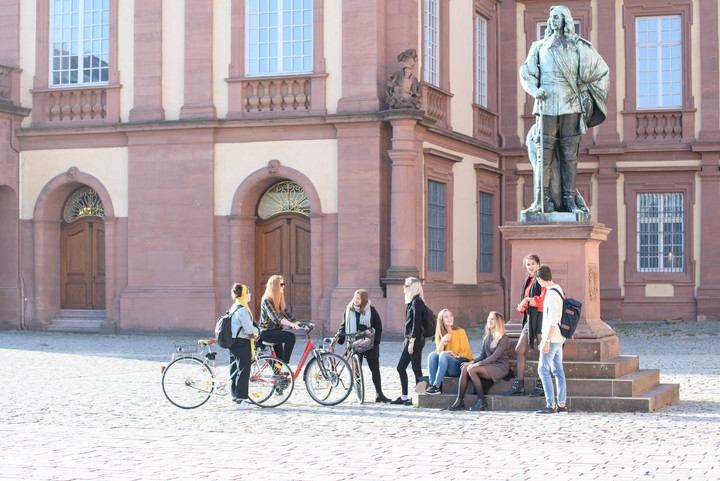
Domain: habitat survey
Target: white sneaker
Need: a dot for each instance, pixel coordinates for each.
(244, 404)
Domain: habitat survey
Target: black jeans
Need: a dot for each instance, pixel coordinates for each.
(406, 358)
(373, 361)
(240, 357)
(284, 342)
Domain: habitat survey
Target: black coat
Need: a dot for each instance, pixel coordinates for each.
(415, 314)
(532, 314)
(375, 323)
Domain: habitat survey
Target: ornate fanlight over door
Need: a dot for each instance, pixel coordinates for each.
(285, 197)
(84, 202)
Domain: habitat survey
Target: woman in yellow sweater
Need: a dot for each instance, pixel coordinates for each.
(452, 348)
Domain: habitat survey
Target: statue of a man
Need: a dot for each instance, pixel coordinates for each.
(403, 87)
(565, 74)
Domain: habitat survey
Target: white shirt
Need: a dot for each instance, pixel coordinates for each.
(552, 313)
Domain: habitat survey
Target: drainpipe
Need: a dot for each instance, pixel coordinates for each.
(19, 232)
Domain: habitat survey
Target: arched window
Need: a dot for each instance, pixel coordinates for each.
(285, 197)
(84, 202)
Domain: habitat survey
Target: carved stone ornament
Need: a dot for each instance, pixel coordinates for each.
(403, 87)
(273, 167)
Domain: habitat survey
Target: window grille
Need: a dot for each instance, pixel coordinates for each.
(480, 61)
(279, 37)
(436, 226)
(285, 197)
(80, 42)
(486, 231)
(431, 57)
(659, 62)
(660, 232)
(84, 202)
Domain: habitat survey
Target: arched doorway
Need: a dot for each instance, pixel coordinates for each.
(82, 251)
(282, 245)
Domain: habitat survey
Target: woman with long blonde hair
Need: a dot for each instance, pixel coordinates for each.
(492, 364)
(451, 348)
(274, 315)
(415, 315)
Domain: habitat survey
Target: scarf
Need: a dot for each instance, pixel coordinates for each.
(351, 321)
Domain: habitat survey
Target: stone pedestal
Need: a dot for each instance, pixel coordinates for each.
(571, 249)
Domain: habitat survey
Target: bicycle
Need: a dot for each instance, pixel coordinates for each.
(353, 358)
(328, 377)
(190, 379)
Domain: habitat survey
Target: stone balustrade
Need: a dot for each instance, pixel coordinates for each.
(276, 94)
(485, 125)
(79, 105)
(436, 103)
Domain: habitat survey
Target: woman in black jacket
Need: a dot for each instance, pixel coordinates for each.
(531, 307)
(361, 316)
(415, 314)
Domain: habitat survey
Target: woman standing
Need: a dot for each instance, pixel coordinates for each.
(492, 364)
(415, 313)
(274, 315)
(243, 330)
(361, 316)
(531, 307)
(451, 346)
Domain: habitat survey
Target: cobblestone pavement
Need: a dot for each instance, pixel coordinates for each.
(91, 407)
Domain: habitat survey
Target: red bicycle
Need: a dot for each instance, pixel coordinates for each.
(328, 377)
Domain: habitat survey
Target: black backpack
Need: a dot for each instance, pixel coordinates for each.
(429, 322)
(570, 315)
(223, 329)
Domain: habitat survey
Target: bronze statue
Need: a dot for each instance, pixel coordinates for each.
(570, 83)
(403, 87)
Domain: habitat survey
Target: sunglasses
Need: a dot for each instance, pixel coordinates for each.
(282, 284)
(407, 286)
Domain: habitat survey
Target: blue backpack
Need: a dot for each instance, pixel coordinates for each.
(570, 315)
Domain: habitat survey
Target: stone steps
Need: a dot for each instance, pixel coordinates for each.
(615, 385)
(655, 398)
(78, 320)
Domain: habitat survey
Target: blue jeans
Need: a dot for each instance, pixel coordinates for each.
(553, 360)
(441, 365)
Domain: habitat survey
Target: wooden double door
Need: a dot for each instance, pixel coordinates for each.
(282, 247)
(82, 254)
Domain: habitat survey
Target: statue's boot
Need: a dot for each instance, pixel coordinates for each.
(543, 194)
(536, 206)
(568, 171)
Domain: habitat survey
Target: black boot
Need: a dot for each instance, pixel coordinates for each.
(380, 398)
(480, 405)
(538, 391)
(457, 405)
(568, 171)
(518, 389)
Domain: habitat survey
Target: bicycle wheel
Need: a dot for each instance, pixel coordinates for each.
(330, 381)
(271, 382)
(188, 382)
(358, 381)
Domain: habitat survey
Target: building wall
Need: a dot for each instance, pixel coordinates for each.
(180, 159)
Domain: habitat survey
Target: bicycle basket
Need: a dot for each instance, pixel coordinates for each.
(186, 347)
(362, 341)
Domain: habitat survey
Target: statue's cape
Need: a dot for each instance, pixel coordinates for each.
(593, 72)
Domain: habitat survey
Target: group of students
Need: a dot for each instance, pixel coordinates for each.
(452, 355)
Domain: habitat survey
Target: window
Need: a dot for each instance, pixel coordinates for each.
(659, 62)
(660, 232)
(279, 37)
(436, 226)
(431, 54)
(486, 232)
(480, 61)
(80, 42)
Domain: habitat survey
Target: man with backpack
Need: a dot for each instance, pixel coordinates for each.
(551, 344)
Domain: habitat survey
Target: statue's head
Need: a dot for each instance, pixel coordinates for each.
(566, 21)
(409, 55)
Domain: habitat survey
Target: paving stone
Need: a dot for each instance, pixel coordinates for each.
(80, 406)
